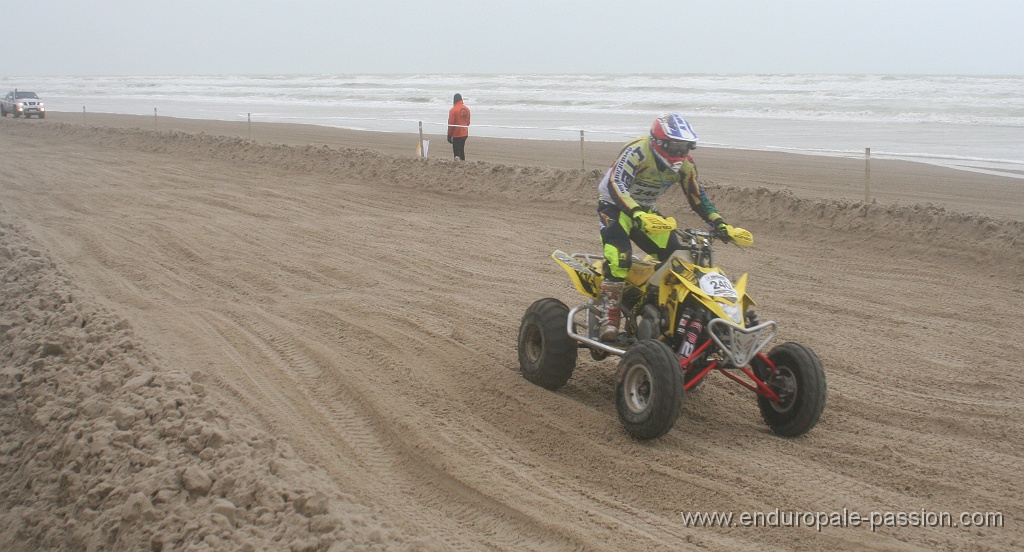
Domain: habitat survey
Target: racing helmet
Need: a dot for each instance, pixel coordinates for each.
(672, 138)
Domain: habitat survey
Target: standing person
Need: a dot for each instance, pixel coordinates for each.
(458, 127)
(645, 168)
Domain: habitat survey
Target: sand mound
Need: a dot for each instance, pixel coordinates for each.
(104, 448)
(931, 225)
(934, 228)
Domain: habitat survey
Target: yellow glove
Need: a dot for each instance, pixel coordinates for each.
(653, 223)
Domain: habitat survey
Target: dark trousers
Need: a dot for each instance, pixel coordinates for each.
(459, 147)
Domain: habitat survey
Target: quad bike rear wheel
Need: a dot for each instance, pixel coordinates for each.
(648, 390)
(547, 355)
(799, 381)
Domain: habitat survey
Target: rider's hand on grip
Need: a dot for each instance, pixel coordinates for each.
(654, 223)
(720, 230)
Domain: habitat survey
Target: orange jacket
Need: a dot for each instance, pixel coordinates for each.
(458, 115)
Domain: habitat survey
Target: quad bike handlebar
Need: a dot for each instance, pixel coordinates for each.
(700, 244)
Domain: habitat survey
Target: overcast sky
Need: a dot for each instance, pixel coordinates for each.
(165, 37)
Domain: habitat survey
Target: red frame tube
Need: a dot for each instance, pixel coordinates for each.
(758, 386)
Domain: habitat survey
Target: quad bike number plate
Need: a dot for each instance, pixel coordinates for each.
(717, 285)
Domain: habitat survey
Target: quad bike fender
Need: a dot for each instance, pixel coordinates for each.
(745, 301)
(586, 280)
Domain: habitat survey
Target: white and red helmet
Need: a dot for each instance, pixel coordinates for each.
(672, 138)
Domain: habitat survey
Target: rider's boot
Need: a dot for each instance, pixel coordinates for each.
(611, 297)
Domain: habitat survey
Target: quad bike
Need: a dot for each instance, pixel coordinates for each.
(681, 321)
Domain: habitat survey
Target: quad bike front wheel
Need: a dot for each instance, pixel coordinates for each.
(547, 355)
(799, 381)
(648, 389)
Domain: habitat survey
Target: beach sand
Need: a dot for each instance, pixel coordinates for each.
(297, 337)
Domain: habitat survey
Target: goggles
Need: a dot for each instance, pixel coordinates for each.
(676, 147)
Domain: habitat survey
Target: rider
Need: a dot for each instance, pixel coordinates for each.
(645, 168)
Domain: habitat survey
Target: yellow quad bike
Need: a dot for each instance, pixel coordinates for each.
(681, 321)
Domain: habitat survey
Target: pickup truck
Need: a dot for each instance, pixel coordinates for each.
(19, 102)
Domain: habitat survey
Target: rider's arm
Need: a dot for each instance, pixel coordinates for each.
(695, 194)
(451, 121)
(622, 175)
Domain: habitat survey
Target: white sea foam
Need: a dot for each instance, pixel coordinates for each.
(956, 120)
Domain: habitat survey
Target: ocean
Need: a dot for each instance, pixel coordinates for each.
(968, 122)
